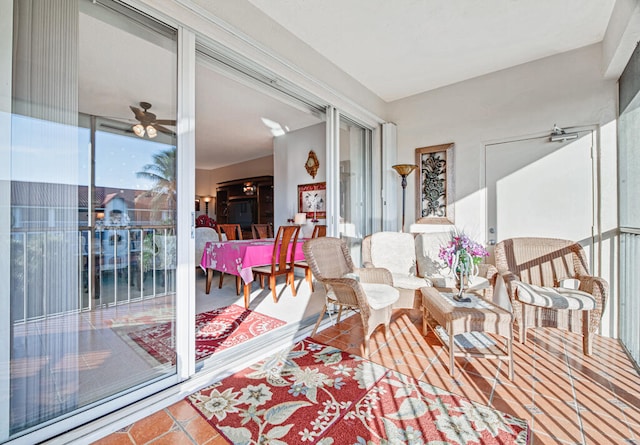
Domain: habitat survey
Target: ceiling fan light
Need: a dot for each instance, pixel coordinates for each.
(138, 129)
(151, 131)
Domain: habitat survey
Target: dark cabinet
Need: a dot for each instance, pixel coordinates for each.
(245, 201)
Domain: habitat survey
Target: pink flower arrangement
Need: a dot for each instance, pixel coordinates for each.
(462, 254)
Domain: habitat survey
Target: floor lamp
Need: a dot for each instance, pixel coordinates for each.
(404, 170)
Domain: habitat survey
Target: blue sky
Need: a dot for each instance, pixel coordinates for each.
(44, 151)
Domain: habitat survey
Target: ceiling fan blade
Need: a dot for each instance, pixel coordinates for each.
(137, 112)
(126, 129)
(165, 122)
(163, 129)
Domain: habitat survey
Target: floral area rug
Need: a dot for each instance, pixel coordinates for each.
(316, 394)
(215, 330)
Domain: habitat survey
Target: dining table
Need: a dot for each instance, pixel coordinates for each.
(237, 257)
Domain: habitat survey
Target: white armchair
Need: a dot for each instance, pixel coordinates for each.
(203, 236)
(396, 252)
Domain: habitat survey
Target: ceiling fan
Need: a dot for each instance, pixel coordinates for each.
(147, 122)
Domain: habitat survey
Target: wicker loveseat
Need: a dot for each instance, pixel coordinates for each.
(413, 262)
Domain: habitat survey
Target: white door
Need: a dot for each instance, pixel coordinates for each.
(538, 188)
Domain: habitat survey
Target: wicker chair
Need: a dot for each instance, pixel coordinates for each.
(367, 290)
(318, 231)
(537, 273)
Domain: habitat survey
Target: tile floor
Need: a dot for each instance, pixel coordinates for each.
(567, 398)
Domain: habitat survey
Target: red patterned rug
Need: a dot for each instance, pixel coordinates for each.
(215, 330)
(316, 394)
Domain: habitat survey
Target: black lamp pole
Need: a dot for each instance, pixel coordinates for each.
(404, 170)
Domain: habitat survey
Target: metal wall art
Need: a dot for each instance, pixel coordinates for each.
(435, 186)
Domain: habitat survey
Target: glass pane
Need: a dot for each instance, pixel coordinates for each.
(93, 235)
(628, 186)
(355, 184)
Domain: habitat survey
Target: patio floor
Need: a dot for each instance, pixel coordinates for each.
(567, 398)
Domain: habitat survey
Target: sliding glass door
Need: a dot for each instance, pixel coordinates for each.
(89, 180)
(355, 177)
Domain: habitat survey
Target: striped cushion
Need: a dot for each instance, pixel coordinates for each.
(555, 297)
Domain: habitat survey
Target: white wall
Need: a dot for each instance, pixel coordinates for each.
(203, 183)
(291, 151)
(207, 180)
(566, 89)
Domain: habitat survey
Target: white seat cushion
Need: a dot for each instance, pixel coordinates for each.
(408, 281)
(380, 295)
(555, 297)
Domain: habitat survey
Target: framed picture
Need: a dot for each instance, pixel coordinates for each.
(197, 207)
(435, 192)
(312, 200)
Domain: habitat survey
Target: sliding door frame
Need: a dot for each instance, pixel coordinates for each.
(6, 61)
(125, 409)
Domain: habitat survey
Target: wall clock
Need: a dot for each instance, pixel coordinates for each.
(312, 164)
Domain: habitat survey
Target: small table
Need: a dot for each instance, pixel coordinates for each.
(439, 308)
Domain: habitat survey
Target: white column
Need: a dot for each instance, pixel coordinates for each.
(333, 171)
(390, 179)
(186, 167)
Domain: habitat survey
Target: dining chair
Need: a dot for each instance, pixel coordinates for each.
(319, 230)
(281, 263)
(262, 231)
(369, 291)
(232, 232)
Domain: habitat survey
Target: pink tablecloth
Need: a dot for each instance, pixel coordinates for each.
(238, 257)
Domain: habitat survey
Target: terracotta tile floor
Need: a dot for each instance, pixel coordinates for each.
(567, 398)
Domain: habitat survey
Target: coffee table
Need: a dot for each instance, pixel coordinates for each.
(440, 309)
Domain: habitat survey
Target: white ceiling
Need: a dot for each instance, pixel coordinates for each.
(395, 49)
(229, 126)
(404, 47)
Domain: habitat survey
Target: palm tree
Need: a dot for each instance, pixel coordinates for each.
(162, 172)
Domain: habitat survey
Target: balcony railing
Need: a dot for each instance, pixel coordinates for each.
(115, 265)
(629, 291)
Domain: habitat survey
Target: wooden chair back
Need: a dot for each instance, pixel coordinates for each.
(282, 263)
(319, 231)
(262, 231)
(232, 231)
